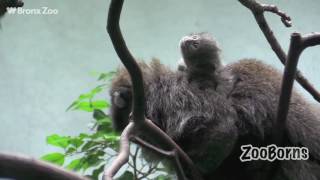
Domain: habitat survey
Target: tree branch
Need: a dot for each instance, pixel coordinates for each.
(297, 45)
(123, 155)
(172, 155)
(127, 59)
(258, 10)
(139, 122)
(19, 167)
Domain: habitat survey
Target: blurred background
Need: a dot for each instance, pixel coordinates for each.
(46, 61)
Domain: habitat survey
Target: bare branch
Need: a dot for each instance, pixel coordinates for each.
(127, 59)
(258, 10)
(140, 123)
(166, 142)
(297, 45)
(312, 39)
(134, 159)
(20, 167)
(123, 155)
(168, 154)
(286, 20)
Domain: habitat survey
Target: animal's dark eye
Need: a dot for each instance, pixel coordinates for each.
(195, 44)
(195, 37)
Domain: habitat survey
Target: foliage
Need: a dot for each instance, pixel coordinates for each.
(90, 153)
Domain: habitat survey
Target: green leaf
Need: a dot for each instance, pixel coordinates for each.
(83, 135)
(56, 158)
(70, 150)
(126, 176)
(105, 129)
(105, 121)
(100, 104)
(111, 137)
(98, 114)
(89, 145)
(75, 165)
(90, 106)
(96, 90)
(57, 140)
(85, 96)
(163, 177)
(106, 76)
(72, 105)
(83, 101)
(95, 159)
(97, 172)
(76, 142)
(84, 106)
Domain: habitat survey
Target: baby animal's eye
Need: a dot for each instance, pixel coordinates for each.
(195, 37)
(195, 44)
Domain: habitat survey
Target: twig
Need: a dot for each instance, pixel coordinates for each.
(166, 142)
(258, 10)
(297, 45)
(150, 170)
(169, 154)
(140, 123)
(134, 159)
(123, 155)
(20, 167)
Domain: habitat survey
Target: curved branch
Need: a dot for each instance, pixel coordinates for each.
(123, 155)
(127, 59)
(312, 39)
(165, 141)
(144, 126)
(258, 10)
(286, 20)
(19, 167)
(168, 154)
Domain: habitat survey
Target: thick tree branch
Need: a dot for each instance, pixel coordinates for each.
(127, 59)
(258, 10)
(297, 45)
(21, 168)
(139, 122)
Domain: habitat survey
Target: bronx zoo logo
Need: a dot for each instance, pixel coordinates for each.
(272, 153)
(36, 11)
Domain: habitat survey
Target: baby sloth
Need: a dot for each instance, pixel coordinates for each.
(210, 110)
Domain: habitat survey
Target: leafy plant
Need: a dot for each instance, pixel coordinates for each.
(88, 154)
